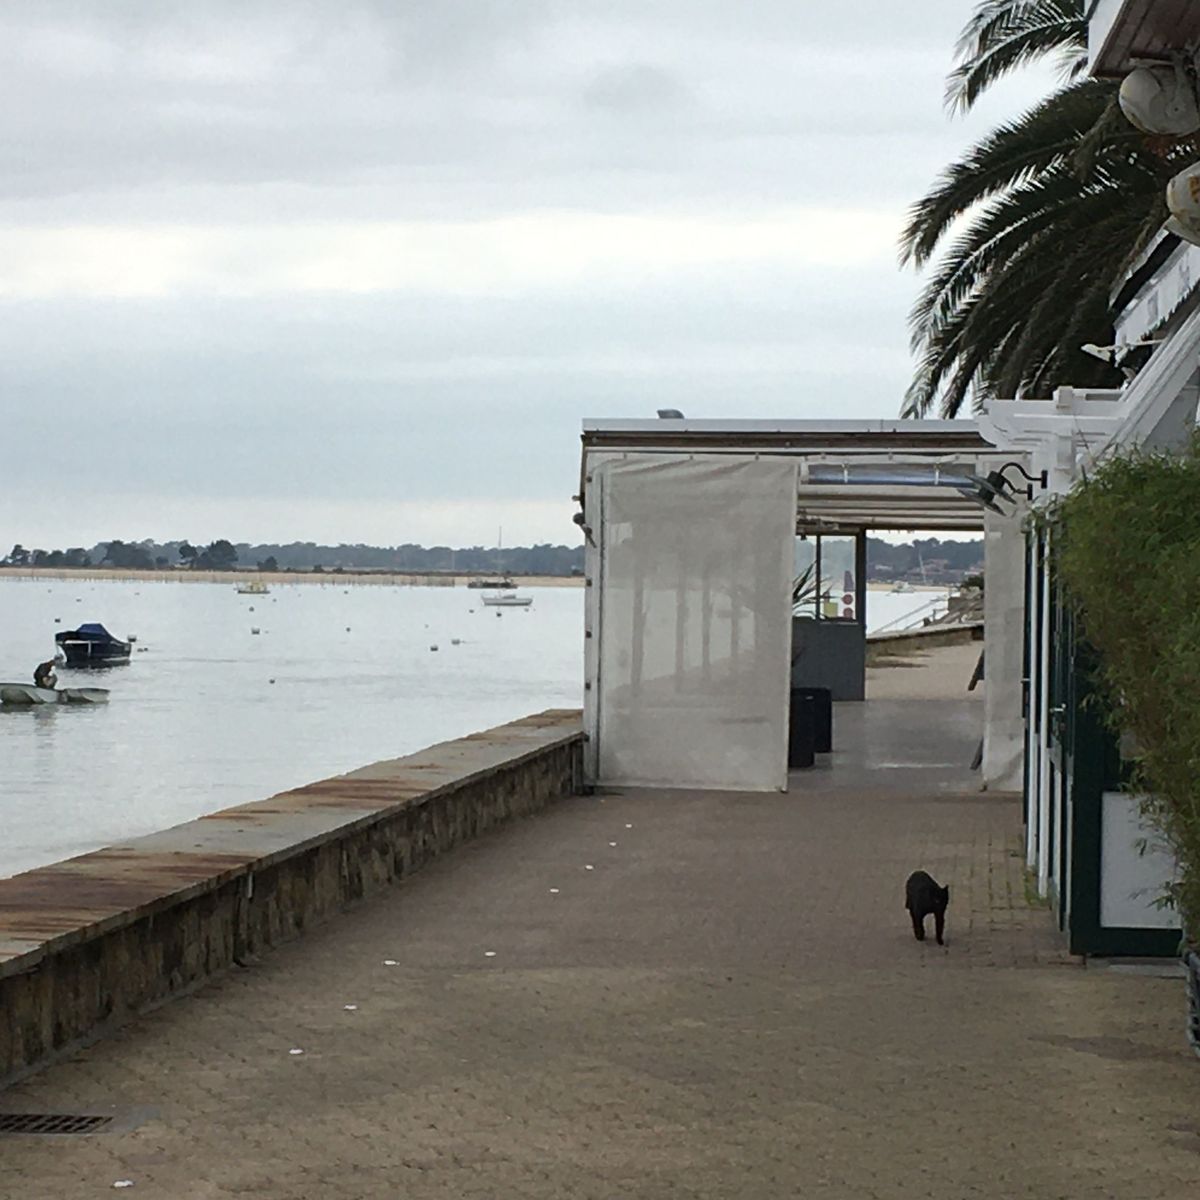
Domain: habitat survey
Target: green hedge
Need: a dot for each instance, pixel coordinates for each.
(1128, 549)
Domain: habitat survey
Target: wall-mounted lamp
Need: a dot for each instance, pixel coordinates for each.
(998, 482)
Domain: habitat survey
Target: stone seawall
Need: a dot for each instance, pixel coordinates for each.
(888, 645)
(87, 943)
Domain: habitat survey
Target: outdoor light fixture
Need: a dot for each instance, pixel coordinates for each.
(1113, 355)
(997, 482)
(581, 521)
(988, 491)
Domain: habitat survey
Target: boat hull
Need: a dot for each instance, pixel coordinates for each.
(27, 695)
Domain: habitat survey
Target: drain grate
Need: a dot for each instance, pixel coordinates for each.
(51, 1124)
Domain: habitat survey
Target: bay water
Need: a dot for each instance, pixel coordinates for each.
(208, 714)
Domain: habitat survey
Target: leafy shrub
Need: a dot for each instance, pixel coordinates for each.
(1128, 543)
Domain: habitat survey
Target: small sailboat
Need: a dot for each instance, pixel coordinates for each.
(506, 595)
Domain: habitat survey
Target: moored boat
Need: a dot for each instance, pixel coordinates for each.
(507, 600)
(26, 694)
(254, 588)
(92, 646)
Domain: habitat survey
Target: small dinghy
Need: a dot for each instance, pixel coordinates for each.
(26, 694)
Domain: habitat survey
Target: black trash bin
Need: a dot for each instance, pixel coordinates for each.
(802, 728)
(823, 728)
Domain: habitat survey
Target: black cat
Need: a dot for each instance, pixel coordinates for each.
(923, 896)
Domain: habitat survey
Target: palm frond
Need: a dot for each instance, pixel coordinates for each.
(1003, 35)
(1035, 142)
(1010, 314)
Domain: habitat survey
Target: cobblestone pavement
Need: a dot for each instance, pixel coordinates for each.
(729, 1002)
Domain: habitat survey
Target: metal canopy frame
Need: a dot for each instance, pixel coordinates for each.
(866, 448)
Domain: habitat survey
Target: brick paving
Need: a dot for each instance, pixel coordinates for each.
(729, 1003)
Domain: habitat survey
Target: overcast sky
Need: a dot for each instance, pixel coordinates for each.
(355, 270)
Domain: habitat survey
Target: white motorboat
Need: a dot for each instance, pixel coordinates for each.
(28, 694)
(255, 588)
(507, 600)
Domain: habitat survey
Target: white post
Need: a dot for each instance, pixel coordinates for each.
(1033, 763)
(1045, 798)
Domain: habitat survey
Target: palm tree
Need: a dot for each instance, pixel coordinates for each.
(1056, 204)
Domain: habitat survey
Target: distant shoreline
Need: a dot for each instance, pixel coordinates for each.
(280, 578)
(376, 578)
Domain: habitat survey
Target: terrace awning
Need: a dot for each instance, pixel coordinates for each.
(852, 475)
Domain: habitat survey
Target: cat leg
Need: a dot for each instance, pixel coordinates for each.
(939, 924)
(918, 926)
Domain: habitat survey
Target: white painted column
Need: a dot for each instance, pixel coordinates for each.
(1045, 798)
(1033, 760)
(1004, 648)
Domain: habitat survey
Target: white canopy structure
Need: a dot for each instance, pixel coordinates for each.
(691, 530)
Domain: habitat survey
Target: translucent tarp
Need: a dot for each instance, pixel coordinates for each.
(696, 558)
(1004, 647)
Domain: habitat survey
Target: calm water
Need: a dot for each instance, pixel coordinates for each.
(195, 724)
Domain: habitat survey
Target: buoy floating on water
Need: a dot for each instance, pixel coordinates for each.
(433, 647)
(255, 629)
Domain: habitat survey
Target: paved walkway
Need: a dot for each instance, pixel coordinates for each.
(729, 1002)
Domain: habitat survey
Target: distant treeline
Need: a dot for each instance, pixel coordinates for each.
(305, 556)
(909, 556)
(516, 560)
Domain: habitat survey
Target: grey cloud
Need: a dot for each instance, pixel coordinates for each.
(470, 105)
(636, 88)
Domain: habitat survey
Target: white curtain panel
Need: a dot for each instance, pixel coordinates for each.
(696, 559)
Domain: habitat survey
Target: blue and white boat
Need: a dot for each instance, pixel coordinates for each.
(92, 646)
